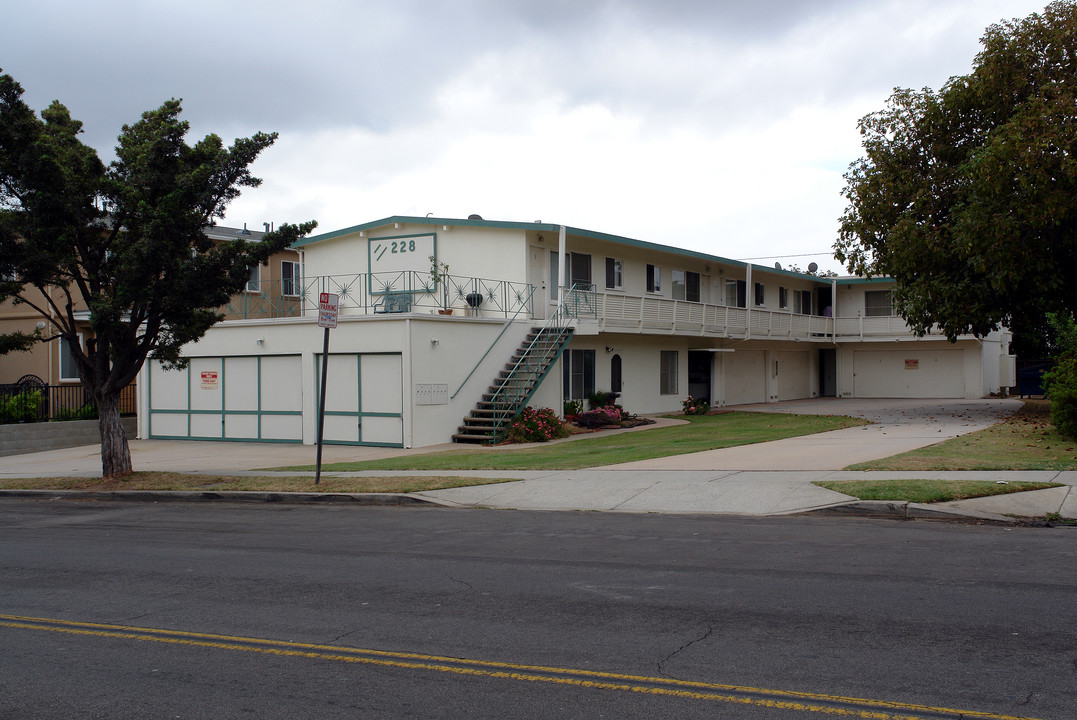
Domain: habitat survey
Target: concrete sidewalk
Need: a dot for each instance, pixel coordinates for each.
(772, 478)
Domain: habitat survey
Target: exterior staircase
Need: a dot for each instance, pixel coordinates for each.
(514, 385)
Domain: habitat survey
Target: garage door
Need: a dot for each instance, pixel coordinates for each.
(912, 374)
(745, 377)
(794, 380)
(364, 399)
(228, 398)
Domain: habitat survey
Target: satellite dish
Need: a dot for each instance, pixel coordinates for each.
(474, 217)
(812, 267)
(777, 266)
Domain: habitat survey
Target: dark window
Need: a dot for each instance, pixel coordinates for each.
(654, 279)
(783, 298)
(667, 381)
(615, 374)
(578, 374)
(759, 294)
(878, 303)
(614, 274)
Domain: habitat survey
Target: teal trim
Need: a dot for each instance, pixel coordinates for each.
(224, 439)
(865, 281)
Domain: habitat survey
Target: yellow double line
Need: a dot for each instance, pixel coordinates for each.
(713, 692)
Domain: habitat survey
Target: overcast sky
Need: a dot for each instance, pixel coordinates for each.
(722, 126)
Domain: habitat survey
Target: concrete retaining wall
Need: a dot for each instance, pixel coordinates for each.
(23, 438)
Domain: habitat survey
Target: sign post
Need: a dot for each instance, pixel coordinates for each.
(327, 318)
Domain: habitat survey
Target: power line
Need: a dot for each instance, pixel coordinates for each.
(775, 257)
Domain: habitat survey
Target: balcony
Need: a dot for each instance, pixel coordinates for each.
(383, 294)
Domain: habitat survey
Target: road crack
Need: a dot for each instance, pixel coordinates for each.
(682, 648)
(465, 584)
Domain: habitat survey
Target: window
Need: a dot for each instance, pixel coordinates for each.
(735, 293)
(802, 302)
(577, 271)
(254, 282)
(614, 274)
(685, 285)
(68, 369)
(878, 303)
(291, 278)
(668, 374)
(759, 294)
(654, 279)
(783, 298)
(578, 377)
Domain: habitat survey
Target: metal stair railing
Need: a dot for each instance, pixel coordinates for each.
(515, 389)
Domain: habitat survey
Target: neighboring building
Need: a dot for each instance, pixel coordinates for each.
(653, 322)
(52, 361)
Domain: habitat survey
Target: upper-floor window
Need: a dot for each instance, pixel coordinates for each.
(685, 285)
(291, 277)
(254, 281)
(577, 271)
(614, 274)
(878, 303)
(760, 295)
(783, 298)
(654, 279)
(736, 293)
(802, 302)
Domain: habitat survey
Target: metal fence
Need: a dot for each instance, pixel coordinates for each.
(42, 403)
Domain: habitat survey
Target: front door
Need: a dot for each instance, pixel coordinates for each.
(537, 277)
(699, 375)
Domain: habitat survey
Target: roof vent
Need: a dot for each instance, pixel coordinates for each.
(474, 217)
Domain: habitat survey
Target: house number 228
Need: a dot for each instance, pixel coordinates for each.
(402, 246)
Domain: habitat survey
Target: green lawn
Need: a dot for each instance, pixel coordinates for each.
(707, 432)
(1026, 441)
(927, 491)
(180, 481)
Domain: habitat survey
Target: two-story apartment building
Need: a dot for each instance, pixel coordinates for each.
(652, 322)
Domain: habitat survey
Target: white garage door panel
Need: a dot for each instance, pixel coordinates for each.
(282, 427)
(382, 430)
(205, 426)
(241, 386)
(381, 383)
(209, 397)
(168, 424)
(794, 381)
(342, 393)
(910, 374)
(341, 429)
(168, 389)
(282, 388)
(240, 427)
(745, 381)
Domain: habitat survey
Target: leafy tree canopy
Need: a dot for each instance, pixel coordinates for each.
(967, 197)
(124, 241)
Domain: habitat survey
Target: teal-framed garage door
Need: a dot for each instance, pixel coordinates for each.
(364, 402)
(246, 398)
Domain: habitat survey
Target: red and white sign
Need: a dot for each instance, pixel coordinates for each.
(328, 308)
(209, 380)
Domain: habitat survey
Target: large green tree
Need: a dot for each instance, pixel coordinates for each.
(125, 241)
(967, 197)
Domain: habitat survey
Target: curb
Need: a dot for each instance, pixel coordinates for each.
(904, 510)
(293, 498)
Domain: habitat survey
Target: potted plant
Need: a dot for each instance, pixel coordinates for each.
(572, 409)
(439, 273)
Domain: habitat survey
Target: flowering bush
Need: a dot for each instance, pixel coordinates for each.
(608, 415)
(536, 425)
(695, 407)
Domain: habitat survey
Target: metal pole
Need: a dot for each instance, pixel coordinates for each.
(321, 406)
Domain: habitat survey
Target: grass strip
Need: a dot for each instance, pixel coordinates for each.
(702, 432)
(181, 481)
(1025, 441)
(927, 491)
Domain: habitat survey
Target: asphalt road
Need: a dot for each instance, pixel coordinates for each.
(112, 610)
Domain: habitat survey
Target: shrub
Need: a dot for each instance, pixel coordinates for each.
(608, 415)
(602, 399)
(1060, 386)
(23, 407)
(536, 425)
(695, 407)
(573, 407)
(86, 412)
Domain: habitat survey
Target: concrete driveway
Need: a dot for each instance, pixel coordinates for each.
(899, 426)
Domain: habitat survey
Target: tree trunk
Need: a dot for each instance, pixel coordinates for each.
(115, 454)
